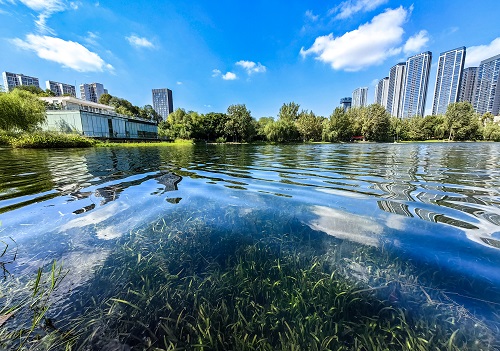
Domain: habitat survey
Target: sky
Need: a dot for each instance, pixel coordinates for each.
(212, 54)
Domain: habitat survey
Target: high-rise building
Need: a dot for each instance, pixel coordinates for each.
(360, 97)
(396, 89)
(487, 91)
(12, 80)
(381, 91)
(346, 103)
(162, 102)
(467, 84)
(60, 89)
(449, 74)
(416, 82)
(92, 92)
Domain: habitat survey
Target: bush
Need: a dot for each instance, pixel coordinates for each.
(41, 140)
(220, 140)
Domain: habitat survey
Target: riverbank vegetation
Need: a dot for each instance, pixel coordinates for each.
(22, 111)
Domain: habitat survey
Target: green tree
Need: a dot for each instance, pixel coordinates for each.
(491, 131)
(105, 99)
(309, 126)
(289, 112)
(461, 121)
(376, 124)
(239, 124)
(338, 127)
(260, 127)
(21, 110)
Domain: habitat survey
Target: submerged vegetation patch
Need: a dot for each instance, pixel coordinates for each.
(184, 284)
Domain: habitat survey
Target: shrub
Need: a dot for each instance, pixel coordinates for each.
(41, 140)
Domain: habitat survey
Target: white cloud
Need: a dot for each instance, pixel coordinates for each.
(229, 76)
(216, 73)
(139, 42)
(251, 67)
(45, 9)
(179, 83)
(311, 16)
(68, 53)
(476, 54)
(415, 43)
(368, 45)
(348, 8)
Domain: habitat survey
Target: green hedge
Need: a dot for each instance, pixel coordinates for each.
(41, 140)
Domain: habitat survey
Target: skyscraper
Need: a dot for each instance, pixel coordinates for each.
(396, 89)
(92, 92)
(360, 97)
(346, 103)
(60, 89)
(381, 91)
(467, 84)
(162, 102)
(449, 73)
(416, 83)
(12, 80)
(487, 92)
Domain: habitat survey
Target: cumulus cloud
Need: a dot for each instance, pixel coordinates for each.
(369, 44)
(311, 16)
(216, 73)
(476, 54)
(229, 76)
(68, 53)
(251, 67)
(349, 8)
(45, 9)
(415, 43)
(139, 42)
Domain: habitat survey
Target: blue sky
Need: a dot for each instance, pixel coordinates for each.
(216, 53)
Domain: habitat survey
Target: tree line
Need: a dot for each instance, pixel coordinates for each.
(371, 123)
(21, 110)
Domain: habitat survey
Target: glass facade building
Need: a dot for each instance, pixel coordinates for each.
(416, 84)
(162, 102)
(381, 91)
(486, 93)
(395, 89)
(467, 84)
(449, 74)
(360, 97)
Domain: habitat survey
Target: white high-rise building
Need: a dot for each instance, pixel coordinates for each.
(487, 91)
(416, 82)
(12, 80)
(449, 74)
(381, 92)
(396, 89)
(92, 92)
(360, 97)
(60, 89)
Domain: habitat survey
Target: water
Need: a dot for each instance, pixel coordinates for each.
(432, 205)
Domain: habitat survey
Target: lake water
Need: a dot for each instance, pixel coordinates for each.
(432, 207)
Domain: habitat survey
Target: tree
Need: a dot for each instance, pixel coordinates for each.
(105, 99)
(376, 125)
(338, 127)
(21, 110)
(35, 90)
(461, 121)
(260, 127)
(289, 112)
(239, 123)
(309, 126)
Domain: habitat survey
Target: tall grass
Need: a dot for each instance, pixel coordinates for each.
(40, 140)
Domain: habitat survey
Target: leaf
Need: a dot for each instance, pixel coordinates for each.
(4, 318)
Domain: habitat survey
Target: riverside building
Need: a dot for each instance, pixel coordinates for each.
(449, 74)
(60, 89)
(360, 97)
(396, 89)
(416, 83)
(92, 92)
(381, 92)
(12, 80)
(487, 92)
(467, 84)
(346, 103)
(163, 103)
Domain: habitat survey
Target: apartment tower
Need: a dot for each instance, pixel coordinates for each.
(487, 91)
(449, 74)
(92, 92)
(467, 84)
(416, 84)
(360, 97)
(381, 91)
(12, 80)
(60, 89)
(162, 102)
(395, 89)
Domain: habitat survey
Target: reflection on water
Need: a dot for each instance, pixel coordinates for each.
(435, 204)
